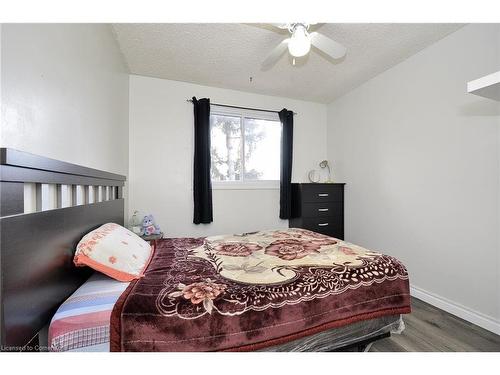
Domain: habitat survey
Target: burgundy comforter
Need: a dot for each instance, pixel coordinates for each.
(250, 291)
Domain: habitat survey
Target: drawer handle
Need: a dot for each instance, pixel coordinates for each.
(322, 209)
(322, 224)
(323, 195)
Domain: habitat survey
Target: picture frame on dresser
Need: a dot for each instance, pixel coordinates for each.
(318, 207)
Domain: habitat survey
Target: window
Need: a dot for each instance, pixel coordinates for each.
(245, 146)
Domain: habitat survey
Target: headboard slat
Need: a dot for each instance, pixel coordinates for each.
(12, 198)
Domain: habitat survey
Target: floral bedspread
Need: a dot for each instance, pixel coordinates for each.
(249, 291)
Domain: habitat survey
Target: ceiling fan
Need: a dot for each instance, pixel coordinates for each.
(299, 44)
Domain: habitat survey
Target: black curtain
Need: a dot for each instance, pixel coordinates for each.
(286, 118)
(202, 184)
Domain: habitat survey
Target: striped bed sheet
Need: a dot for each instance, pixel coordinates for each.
(82, 322)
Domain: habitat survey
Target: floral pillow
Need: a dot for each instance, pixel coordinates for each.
(114, 251)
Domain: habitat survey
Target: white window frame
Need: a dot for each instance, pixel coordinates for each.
(242, 114)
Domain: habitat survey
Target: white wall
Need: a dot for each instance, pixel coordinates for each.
(161, 157)
(65, 94)
(420, 158)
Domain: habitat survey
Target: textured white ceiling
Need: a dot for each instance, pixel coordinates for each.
(226, 55)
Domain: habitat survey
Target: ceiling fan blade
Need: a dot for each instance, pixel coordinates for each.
(327, 45)
(275, 54)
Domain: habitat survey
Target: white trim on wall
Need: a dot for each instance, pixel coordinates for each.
(487, 322)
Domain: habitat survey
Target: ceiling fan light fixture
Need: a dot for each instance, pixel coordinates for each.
(300, 43)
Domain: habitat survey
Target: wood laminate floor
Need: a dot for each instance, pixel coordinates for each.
(429, 329)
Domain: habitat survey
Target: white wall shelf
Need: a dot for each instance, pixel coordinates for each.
(487, 86)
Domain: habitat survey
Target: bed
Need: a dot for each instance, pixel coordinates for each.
(82, 324)
(257, 300)
(276, 290)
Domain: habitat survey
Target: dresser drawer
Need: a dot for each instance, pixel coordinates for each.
(331, 226)
(322, 193)
(322, 209)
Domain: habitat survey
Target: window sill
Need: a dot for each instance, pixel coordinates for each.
(245, 185)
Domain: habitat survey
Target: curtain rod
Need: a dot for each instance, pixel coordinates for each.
(237, 107)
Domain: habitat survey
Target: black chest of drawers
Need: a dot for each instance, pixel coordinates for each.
(318, 207)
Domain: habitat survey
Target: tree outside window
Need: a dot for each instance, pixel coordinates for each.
(244, 148)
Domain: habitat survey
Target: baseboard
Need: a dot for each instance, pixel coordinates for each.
(474, 317)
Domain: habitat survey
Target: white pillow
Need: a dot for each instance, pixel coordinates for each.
(114, 251)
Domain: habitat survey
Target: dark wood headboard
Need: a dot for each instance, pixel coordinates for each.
(37, 244)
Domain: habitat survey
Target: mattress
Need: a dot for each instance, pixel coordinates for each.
(82, 322)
